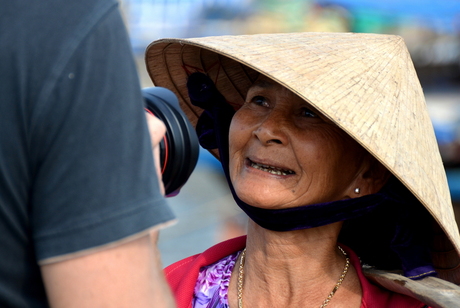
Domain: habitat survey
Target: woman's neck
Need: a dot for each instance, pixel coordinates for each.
(287, 269)
(320, 241)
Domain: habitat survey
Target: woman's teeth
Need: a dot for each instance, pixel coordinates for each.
(270, 169)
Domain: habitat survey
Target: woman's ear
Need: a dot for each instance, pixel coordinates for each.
(371, 178)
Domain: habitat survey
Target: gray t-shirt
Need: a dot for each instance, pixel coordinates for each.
(76, 168)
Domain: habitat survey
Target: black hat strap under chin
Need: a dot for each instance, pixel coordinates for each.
(213, 131)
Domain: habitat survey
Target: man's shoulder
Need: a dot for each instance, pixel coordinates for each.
(59, 14)
(36, 34)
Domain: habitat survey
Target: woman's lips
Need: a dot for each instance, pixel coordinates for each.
(270, 169)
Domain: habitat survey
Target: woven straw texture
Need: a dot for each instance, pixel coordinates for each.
(365, 83)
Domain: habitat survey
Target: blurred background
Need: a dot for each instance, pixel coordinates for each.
(205, 209)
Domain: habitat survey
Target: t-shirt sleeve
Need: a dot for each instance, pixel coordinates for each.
(94, 179)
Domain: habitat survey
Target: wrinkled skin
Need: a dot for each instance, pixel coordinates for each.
(318, 161)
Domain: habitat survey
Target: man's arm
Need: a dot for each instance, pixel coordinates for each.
(128, 275)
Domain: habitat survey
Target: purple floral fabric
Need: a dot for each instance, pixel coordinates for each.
(212, 284)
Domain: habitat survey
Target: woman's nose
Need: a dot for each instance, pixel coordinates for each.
(272, 130)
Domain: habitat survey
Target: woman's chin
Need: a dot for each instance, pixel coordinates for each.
(263, 201)
(263, 194)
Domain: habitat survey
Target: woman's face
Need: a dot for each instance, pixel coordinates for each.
(285, 154)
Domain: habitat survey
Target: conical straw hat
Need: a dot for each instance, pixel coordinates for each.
(364, 83)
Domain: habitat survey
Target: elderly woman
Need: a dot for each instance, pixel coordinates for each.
(327, 146)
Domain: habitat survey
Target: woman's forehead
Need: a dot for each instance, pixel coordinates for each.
(265, 82)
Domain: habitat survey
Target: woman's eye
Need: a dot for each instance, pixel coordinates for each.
(308, 113)
(259, 100)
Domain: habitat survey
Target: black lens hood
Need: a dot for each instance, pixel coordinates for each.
(181, 141)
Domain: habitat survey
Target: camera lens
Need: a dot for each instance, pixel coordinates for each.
(179, 148)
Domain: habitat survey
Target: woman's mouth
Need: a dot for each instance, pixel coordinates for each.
(270, 169)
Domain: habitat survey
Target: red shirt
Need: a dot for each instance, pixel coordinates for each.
(182, 277)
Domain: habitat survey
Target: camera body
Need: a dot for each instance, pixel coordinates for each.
(179, 149)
